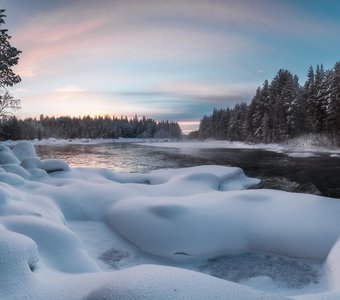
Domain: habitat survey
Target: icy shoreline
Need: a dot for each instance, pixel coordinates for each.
(304, 146)
(69, 233)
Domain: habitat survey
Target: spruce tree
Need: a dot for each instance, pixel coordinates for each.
(333, 105)
(9, 57)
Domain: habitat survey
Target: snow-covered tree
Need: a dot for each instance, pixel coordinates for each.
(333, 105)
(282, 109)
(9, 57)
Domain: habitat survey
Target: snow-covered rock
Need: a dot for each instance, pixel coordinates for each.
(17, 169)
(215, 177)
(11, 179)
(49, 165)
(7, 156)
(210, 224)
(19, 257)
(24, 150)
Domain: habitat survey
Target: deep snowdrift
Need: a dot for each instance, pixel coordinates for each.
(165, 226)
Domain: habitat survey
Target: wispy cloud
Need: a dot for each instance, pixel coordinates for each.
(204, 90)
(70, 88)
(171, 58)
(152, 30)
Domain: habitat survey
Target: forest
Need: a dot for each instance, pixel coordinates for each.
(65, 127)
(87, 127)
(281, 109)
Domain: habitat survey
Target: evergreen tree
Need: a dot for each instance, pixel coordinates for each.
(256, 111)
(282, 109)
(283, 91)
(291, 94)
(9, 57)
(333, 105)
(237, 121)
(310, 94)
(264, 108)
(318, 109)
(205, 127)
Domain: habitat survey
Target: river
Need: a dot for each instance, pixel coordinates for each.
(319, 174)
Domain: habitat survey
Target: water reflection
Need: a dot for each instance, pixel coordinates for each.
(318, 174)
(118, 157)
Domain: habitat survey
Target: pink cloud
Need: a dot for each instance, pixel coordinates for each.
(128, 30)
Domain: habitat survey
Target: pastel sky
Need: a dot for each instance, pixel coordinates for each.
(175, 59)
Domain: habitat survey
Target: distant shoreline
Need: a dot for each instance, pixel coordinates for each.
(303, 146)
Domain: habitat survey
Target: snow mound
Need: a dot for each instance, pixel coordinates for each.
(213, 177)
(7, 156)
(11, 179)
(18, 170)
(24, 150)
(209, 224)
(54, 165)
(48, 165)
(58, 246)
(19, 258)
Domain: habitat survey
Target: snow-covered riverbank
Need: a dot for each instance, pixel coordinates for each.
(95, 234)
(304, 146)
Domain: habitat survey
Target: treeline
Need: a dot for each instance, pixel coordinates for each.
(281, 109)
(87, 127)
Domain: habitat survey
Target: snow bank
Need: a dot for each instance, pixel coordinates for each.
(24, 150)
(19, 258)
(333, 266)
(208, 225)
(174, 216)
(303, 144)
(218, 177)
(7, 156)
(58, 246)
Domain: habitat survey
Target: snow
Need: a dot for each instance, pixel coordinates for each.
(24, 150)
(304, 146)
(172, 283)
(204, 232)
(234, 222)
(301, 154)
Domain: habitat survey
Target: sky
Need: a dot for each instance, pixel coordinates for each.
(174, 60)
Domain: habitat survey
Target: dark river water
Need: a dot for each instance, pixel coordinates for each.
(319, 174)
